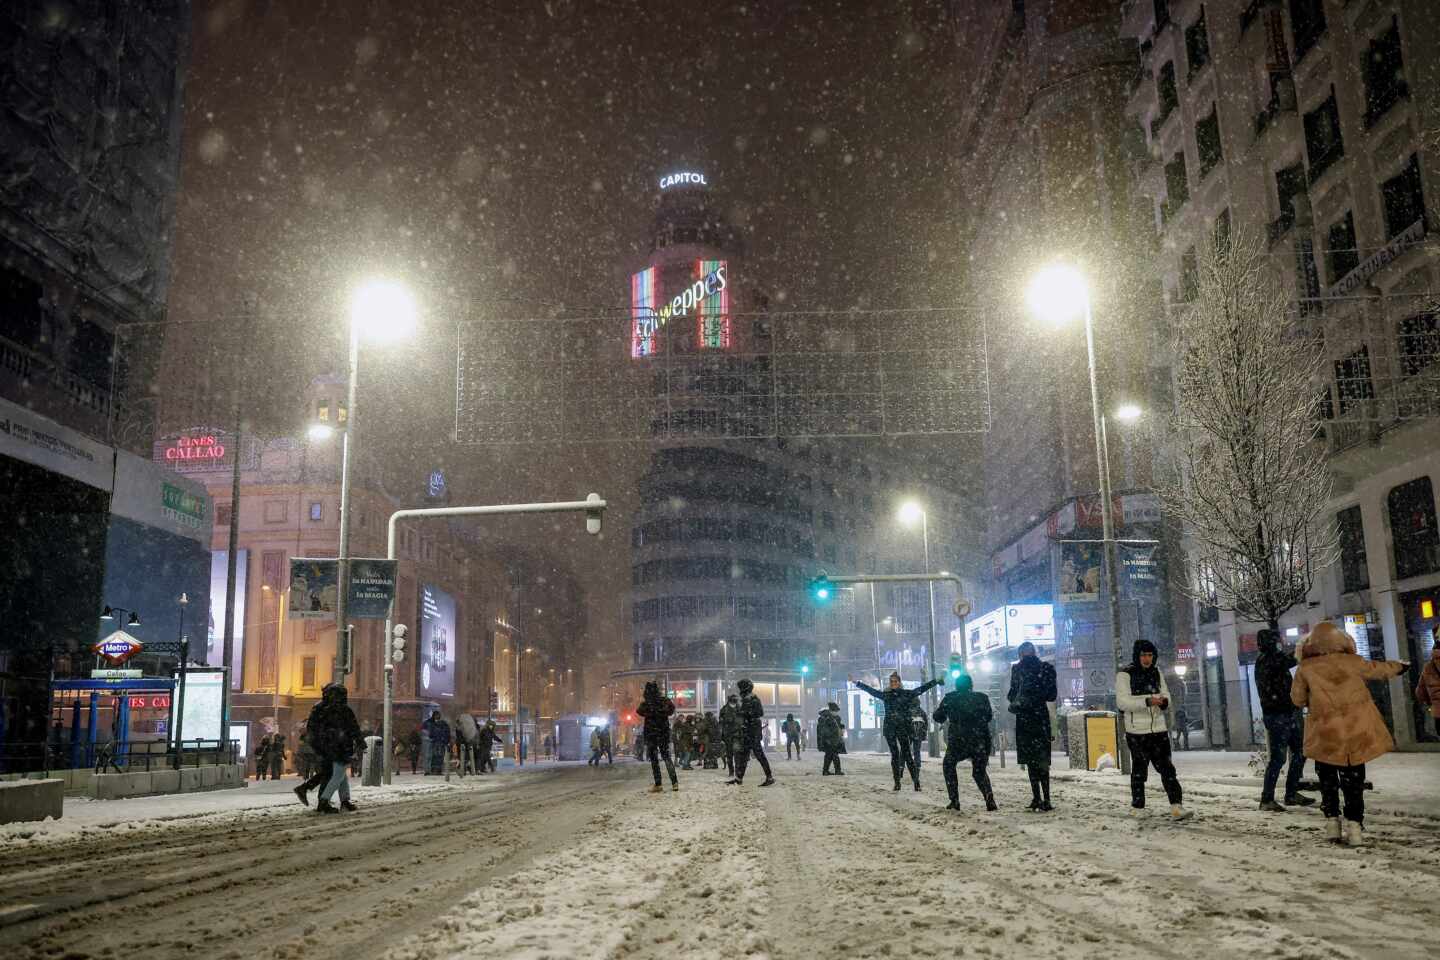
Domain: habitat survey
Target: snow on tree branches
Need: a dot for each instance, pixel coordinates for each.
(1253, 485)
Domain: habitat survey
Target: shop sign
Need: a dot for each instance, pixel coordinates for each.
(154, 701)
(118, 647)
(201, 447)
(115, 674)
(181, 505)
(1411, 235)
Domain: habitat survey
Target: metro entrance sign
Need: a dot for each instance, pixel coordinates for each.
(118, 647)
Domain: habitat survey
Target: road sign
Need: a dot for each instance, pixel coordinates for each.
(962, 608)
(116, 674)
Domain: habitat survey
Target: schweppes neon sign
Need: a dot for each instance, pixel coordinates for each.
(706, 294)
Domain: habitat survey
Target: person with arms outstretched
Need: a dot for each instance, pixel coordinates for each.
(900, 706)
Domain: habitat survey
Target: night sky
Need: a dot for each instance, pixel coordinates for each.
(504, 156)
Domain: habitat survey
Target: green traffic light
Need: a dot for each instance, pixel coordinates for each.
(805, 668)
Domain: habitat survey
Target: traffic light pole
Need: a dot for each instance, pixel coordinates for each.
(594, 507)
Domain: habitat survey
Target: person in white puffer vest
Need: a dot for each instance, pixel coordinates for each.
(1143, 697)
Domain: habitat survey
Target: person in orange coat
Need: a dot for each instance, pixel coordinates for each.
(1344, 730)
(1427, 691)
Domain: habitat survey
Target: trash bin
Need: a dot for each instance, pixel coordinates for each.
(372, 767)
(1092, 733)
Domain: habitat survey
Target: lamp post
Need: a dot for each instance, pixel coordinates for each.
(184, 644)
(911, 511)
(380, 310)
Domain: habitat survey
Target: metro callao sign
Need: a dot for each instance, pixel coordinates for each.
(118, 647)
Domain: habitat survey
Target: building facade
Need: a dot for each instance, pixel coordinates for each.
(1311, 123)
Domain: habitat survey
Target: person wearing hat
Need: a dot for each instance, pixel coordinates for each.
(830, 735)
(752, 713)
(730, 732)
(1143, 698)
(900, 705)
(1284, 723)
(966, 715)
(1032, 691)
(657, 710)
(1344, 730)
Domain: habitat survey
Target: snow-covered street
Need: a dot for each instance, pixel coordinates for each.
(566, 861)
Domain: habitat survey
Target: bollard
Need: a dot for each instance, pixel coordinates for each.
(372, 767)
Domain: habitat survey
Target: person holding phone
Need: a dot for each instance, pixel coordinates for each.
(1144, 699)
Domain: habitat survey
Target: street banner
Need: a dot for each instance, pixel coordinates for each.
(313, 588)
(1080, 566)
(372, 587)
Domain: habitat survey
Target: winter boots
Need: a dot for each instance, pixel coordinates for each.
(1270, 806)
(1296, 800)
(348, 807)
(767, 782)
(300, 792)
(1179, 813)
(1354, 834)
(656, 789)
(990, 804)
(1334, 829)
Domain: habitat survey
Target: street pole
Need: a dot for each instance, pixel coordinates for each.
(232, 554)
(1106, 525)
(344, 638)
(184, 646)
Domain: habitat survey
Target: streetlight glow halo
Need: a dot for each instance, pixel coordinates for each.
(383, 311)
(1129, 412)
(1058, 293)
(911, 513)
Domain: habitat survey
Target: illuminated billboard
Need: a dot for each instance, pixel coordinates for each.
(1008, 627)
(215, 629)
(660, 295)
(435, 658)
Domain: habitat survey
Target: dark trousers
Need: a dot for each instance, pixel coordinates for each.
(485, 760)
(594, 760)
(415, 762)
(978, 763)
(1337, 781)
(832, 757)
(277, 767)
(322, 774)
(729, 758)
(915, 745)
(658, 749)
(902, 755)
(742, 758)
(789, 742)
(1147, 750)
(1285, 734)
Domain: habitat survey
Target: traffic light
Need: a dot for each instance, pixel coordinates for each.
(397, 643)
(804, 669)
(957, 667)
(820, 590)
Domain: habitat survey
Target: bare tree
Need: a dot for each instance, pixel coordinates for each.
(1251, 485)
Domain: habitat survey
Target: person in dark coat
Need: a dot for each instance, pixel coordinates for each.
(262, 757)
(900, 706)
(1284, 722)
(657, 710)
(439, 733)
(830, 737)
(752, 736)
(919, 732)
(966, 715)
(335, 735)
(1032, 690)
(277, 756)
(489, 739)
(791, 729)
(730, 731)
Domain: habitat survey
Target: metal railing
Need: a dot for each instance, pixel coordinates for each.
(102, 757)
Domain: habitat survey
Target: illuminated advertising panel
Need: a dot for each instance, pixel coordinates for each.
(699, 287)
(436, 655)
(986, 633)
(215, 629)
(1011, 626)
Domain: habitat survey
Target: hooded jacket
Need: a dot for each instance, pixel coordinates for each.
(829, 730)
(1344, 727)
(332, 729)
(730, 722)
(1134, 685)
(657, 711)
(966, 715)
(1272, 675)
(1427, 691)
(752, 713)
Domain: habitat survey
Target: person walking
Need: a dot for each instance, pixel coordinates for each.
(685, 741)
(1032, 690)
(919, 732)
(791, 729)
(412, 750)
(1427, 691)
(262, 757)
(657, 710)
(752, 736)
(277, 756)
(335, 735)
(595, 748)
(899, 706)
(1143, 696)
(710, 741)
(1284, 723)
(607, 746)
(730, 732)
(1345, 730)
(489, 737)
(1182, 728)
(830, 737)
(966, 715)
(438, 732)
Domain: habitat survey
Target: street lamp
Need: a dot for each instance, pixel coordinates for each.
(381, 311)
(109, 614)
(910, 512)
(1057, 294)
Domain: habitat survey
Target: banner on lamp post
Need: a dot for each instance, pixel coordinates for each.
(372, 588)
(313, 588)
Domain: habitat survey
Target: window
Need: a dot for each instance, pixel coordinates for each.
(223, 512)
(1162, 14)
(1354, 572)
(1323, 143)
(1307, 22)
(1189, 275)
(1352, 380)
(1288, 182)
(1221, 236)
(1384, 73)
(1197, 44)
(1419, 343)
(307, 673)
(1403, 198)
(1412, 528)
(1177, 185)
(1169, 95)
(1207, 139)
(317, 510)
(276, 511)
(1341, 256)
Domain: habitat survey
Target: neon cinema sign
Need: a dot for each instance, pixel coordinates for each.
(202, 448)
(708, 294)
(680, 179)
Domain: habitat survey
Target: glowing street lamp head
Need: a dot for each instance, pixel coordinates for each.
(383, 311)
(320, 431)
(911, 513)
(1128, 413)
(1058, 293)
